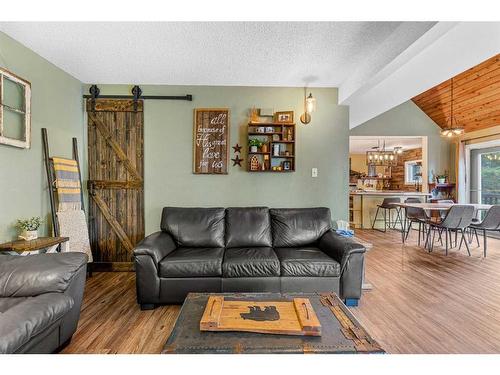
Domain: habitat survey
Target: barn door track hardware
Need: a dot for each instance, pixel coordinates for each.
(95, 93)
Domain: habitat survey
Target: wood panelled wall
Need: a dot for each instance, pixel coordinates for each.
(476, 97)
(398, 172)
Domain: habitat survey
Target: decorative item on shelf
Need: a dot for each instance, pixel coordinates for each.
(287, 153)
(289, 134)
(254, 163)
(309, 107)
(381, 156)
(261, 129)
(276, 137)
(254, 145)
(237, 148)
(267, 163)
(452, 128)
(269, 129)
(284, 117)
(442, 178)
(254, 115)
(276, 150)
(264, 147)
(275, 168)
(266, 112)
(286, 165)
(29, 228)
(237, 161)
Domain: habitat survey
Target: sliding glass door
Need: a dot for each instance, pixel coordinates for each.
(485, 175)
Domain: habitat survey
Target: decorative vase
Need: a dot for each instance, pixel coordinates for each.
(29, 235)
(253, 148)
(264, 147)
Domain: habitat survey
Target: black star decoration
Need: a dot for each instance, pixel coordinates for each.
(237, 160)
(237, 148)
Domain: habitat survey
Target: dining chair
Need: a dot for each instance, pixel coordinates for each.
(457, 219)
(491, 222)
(442, 213)
(388, 204)
(416, 215)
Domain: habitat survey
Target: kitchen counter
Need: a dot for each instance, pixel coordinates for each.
(390, 193)
(363, 205)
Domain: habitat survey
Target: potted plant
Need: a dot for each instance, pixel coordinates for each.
(29, 228)
(441, 178)
(254, 144)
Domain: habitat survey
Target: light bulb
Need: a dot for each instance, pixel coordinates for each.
(310, 104)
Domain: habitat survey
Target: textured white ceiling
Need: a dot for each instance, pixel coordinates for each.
(359, 145)
(208, 53)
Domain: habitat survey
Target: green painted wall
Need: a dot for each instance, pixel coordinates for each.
(56, 105)
(168, 151)
(409, 120)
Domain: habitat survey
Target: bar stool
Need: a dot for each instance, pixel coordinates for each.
(388, 204)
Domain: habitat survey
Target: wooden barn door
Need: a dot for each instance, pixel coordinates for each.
(116, 195)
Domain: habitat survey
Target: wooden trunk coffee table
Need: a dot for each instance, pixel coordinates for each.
(340, 331)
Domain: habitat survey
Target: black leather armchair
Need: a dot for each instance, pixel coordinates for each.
(253, 249)
(40, 300)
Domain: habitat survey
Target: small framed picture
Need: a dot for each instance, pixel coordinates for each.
(287, 165)
(285, 117)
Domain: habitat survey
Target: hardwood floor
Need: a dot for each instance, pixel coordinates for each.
(421, 303)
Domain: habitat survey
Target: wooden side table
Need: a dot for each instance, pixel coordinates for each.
(22, 247)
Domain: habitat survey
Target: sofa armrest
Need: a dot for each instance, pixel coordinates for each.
(38, 274)
(350, 255)
(340, 248)
(157, 245)
(147, 254)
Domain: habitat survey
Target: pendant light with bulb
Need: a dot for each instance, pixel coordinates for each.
(453, 128)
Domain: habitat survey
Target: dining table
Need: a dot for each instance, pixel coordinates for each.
(435, 207)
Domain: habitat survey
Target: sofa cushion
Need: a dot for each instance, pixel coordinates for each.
(250, 262)
(192, 262)
(38, 274)
(293, 227)
(32, 315)
(248, 227)
(306, 261)
(194, 227)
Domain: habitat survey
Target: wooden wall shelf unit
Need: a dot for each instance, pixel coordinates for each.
(282, 136)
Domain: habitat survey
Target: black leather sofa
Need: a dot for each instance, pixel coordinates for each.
(246, 249)
(40, 300)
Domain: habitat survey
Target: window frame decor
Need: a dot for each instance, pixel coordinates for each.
(407, 170)
(26, 112)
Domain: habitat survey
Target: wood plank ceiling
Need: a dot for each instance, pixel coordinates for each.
(476, 98)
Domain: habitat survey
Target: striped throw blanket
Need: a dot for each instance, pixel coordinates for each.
(67, 184)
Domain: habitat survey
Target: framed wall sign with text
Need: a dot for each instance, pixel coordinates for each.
(210, 140)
